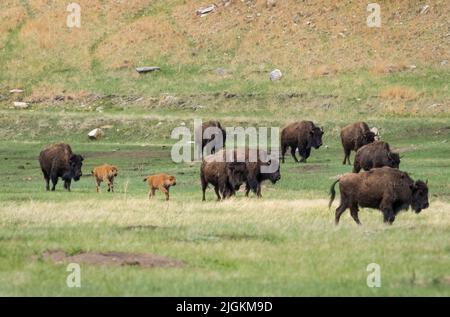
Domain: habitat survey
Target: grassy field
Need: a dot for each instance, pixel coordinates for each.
(335, 71)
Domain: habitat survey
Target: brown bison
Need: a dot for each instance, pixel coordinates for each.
(385, 188)
(162, 182)
(227, 170)
(225, 176)
(105, 173)
(355, 136)
(258, 172)
(207, 139)
(56, 161)
(303, 135)
(376, 154)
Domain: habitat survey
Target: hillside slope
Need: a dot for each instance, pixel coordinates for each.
(307, 40)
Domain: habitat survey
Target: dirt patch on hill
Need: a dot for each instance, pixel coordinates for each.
(112, 258)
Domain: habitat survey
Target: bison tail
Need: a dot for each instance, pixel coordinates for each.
(332, 193)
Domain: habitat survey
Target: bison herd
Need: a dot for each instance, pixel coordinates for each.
(381, 185)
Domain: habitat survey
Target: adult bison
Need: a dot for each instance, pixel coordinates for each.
(260, 171)
(353, 137)
(227, 170)
(385, 188)
(56, 161)
(376, 154)
(210, 135)
(224, 175)
(303, 135)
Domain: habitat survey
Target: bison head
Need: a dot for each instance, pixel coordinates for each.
(394, 159)
(75, 163)
(316, 137)
(236, 173)
(419, 196)
(114, 171)
(368, 137)
(272, 176)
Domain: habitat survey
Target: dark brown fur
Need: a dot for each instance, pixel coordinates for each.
(56, 161)
(205, 141)
(302, 135)
(353, 137)
(376, 154)
(386, 189)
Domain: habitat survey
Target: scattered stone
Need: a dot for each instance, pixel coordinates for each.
(221, 71)
(59, 98)
(147, 69)
(112, 258)
(21, 105)
(95, 134)
(444, 62)
(275, 75)
(108, 126)
(412, 66)
(16, 91)
(99, 109)
(229, 95)
(424, 8)
(271, 3)
(206, 10)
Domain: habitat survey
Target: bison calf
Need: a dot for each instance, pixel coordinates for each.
(56, 161)
(160, 181)
(386, 189)
(105, 173)
(376, 154)
(353, 137)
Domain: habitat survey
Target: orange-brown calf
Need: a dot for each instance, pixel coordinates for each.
(105, 173)
(160, 181)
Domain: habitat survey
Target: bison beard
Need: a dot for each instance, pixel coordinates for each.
(56, 161)
(386, 189)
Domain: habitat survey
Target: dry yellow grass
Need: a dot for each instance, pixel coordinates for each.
(399, 93)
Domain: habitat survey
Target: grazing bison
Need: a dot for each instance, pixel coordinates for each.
(105, 173)
(256, 174)
(302, 135)
(162, 182)
(56, 161)
(355, 136)
(225, 176)
(205, 140)
(227, 170)
(385, 188)
(376, 154)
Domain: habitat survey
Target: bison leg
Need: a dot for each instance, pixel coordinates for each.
(151, 193)
(388, 211)
(97, 185)
(216, 189)
(284, 148)
(67, 183)
(305, 154)
(47, 180)
(258, 191)
(342, 207)
(293, 149)
(346, 157)
(354, 213)
(54, 182)
(247, 189)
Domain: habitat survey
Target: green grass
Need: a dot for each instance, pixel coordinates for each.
(283, 244)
